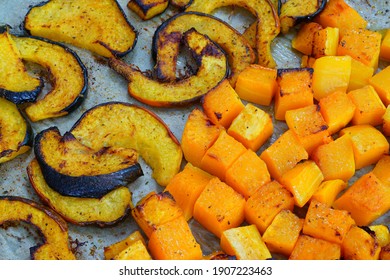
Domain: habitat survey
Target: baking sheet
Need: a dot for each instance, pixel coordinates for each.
(106, 85)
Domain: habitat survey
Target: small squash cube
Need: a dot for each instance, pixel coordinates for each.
(114, 249)
(248, 173)
(262, 207)
(282, 234)
(325, 42)
(369, 107)
(367, 199)
(385, 47)
(311, 248)
(186, 186)
(326, 223)
(303, 41)
(295, 90)
(221, 155)
(331, 73)
(382, 169)
(219, 207)
(382, 234)
(386, 122)
(245, 243)
(135, 251)
(368, 143)
(174, 241)
(337, 109)
(283, 154)
(302, 181)
(360, 75)
(257, 84)
(328, 191)
(146, 10)
(381, 83)
(222, 104)
(360, 245)
(252, 127)
(198, 135)
(336, 159)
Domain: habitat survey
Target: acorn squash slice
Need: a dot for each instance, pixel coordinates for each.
(68, 76)
(212, 69)
(167, 38)
(72, 169)
(99, 26)
(105, 211)
(117, 124)
(53, 228)
(16, 135)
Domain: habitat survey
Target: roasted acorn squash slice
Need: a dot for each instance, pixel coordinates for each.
(167, 38)
(69, 77)
(16, 135)
(125, 125)
(72, 169)
(105, 211)
(99, 26)
(212, 69)
(53, 228)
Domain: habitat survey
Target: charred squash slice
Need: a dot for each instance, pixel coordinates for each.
(116, 124)
(98, 26)
(105, 211)
(167, 38)
(212, 69)
(53, 228)
(16, 135)
(69, 77)
(72, 169)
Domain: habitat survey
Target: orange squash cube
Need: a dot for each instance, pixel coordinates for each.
(367, 199)
(283, 154)
(245, 243)
(219, 207)
(115, 249)
(221, 155)
(248, 173)
(262, 207)
(222, 104)
(386, 122)
(295, 90)
(328, 191)
(198, 135)
(135, 251)
(303, 41)
(186, 186)
(282, 234)
(368, 143)
(325, 42)
(257, 84)
(360, 245)
(252, 127)
(310, 248)
(382, 169)
(381, 83)
(385, 47)
(360, 75)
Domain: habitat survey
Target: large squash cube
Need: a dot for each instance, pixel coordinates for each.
(303, 41)
(360, 245)
(328, 191)
(325, 42)
(360, 75)
(311, 248)
(381, 83)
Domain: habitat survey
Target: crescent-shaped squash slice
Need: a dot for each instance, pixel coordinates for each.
(53, 228)
(167, 38)
(73, 169)
(212, 69)
(16, 135)
(99, 26)
(105, 211)
(116, 124)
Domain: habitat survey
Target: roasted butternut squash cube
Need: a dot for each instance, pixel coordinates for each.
(369, 107)
(198, 135)
(245, 243)
(325, 42)
(311, 248)
(248, 173)
(257, 84)
(337, 109)
(382, 234)
(367, 199)
(252, 127)
(381, 83)
(295, 90)
(262, 207)
(336, 159)
(135, 251)
(328, 191)
(385, 47)
(186, 186)
(219, 207)
(282, 234)
(360, 245)
(283, 154)
(222, 104)
(309, 126)
(303, 41)
(174, 241)
(324, 222)
(382, 169)
(302, 181)
(386, 122)
(368, 143)
(360, 75)
(114, 249)
(331, 73)
(221, 155)
(147, 9)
